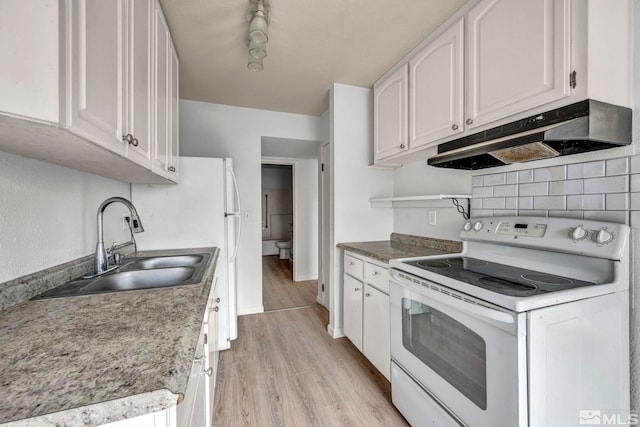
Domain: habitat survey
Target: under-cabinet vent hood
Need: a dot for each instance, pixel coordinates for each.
(577, 128)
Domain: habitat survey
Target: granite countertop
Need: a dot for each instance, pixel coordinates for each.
(94, 359)
(402, 246)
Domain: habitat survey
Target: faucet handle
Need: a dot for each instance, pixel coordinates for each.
(112, 248)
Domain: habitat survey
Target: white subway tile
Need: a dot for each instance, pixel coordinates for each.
(617, 166)
(525, 176)
(593, 169)
(505, 212)
(621, 217)
(505, 190)
(481, 213)
(476, 203)
(566, 214)
(555, 173)
(634, 218)
(511, 203)
(476, 181)
(525, 202)
(549, 202)
(635, 182)
(494, 179)
(512, 177)
(535, 189)
(575, 202)
(635, 201)
(493, 203)
(527, 212)
(635, 164)
(610, 184)
(575, 171)
(482, 192)
(618, 202)
(593, 202)
(572, 186)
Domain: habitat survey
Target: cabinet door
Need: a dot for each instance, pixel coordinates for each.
(518, 57)
(138, 111)
(436, 84)
(162, 94)
(173, 137)
(352, 299)
(390, 120)
(95, 92)
(376, 339)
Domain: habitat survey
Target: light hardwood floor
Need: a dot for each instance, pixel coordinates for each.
(285, 370)
(279, 291)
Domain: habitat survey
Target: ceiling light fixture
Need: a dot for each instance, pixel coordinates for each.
(258, 35)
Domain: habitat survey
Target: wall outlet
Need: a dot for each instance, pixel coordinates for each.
(432, 217)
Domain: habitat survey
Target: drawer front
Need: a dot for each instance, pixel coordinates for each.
(353, 266)
(377, 276)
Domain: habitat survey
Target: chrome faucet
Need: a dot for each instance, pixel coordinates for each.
(101, 259)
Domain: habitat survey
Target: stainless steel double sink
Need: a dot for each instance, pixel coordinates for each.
(138, 273)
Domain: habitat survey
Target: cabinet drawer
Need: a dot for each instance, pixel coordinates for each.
(353, 266)
(377, 276)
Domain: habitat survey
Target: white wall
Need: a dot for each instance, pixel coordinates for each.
(214, 130)
(48, 214)
(305, 239)
(352, 184)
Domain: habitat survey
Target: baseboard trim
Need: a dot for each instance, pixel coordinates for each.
(335, 332)
(303, 278)
(251, 310)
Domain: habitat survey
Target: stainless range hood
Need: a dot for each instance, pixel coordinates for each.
(577, 128)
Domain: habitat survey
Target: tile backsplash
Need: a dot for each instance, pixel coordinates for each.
(606, 190)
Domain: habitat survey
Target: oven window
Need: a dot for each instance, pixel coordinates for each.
(449, 348)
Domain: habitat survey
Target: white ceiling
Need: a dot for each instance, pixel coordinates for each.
(312, 43)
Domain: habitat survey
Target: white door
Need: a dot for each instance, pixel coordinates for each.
(436, 85)
(375, 331)
(324, 287)
(162, 94)
(96, 92)
(173, 144)
(517, 57)
(233, 216)
(352, 305)
(390, 120)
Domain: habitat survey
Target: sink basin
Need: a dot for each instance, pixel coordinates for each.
(138, 273)
(141, 279)
(165, 261)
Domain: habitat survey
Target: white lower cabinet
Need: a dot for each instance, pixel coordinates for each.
(366, 309)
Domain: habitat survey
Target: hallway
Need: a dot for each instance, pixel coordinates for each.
(285, 370)
(279, 291)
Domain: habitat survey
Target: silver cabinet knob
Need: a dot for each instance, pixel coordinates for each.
(172, 168)
(218, 299)
(374, 273)
(454, 127)
(209, 371)
(356, 289)
(469, 121)
(216, 308)
(350, 262)
(367, 294)
(402, 146)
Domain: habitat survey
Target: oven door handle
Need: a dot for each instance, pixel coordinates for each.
(455, 303)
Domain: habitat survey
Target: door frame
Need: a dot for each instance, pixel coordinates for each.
(324, 218)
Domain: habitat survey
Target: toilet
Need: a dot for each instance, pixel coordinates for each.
(285, 248)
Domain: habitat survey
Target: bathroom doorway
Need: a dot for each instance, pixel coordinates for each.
(285, 227)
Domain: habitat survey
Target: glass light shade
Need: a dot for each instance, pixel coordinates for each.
(258, 27)
(257, 50)
(255, 64)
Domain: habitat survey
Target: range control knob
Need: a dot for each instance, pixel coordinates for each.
(603, 236)
(478, 226)
(578, 233)
(467, 226)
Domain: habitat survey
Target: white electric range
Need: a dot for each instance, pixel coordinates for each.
(528, 326)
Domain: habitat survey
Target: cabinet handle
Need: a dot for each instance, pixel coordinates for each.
(209, 371)
(350, 262)
(356, 289)
(172, 169)
(374, 273)
(367, 294)
(215, 309)
(135, 142)
(402, 146)
(218, 299)
(198, 359)
(128, 138)
(454, 127)
(469, 121)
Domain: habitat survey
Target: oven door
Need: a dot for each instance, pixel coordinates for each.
(469, 355)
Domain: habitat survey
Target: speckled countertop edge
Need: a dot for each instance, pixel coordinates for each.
(100, 358)
(402, 246)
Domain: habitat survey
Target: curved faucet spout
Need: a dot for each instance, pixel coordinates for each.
(101, 260)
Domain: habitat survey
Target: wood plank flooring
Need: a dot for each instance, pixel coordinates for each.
(279, 291)
(285, 370)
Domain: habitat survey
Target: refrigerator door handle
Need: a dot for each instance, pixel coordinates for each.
(235, 186)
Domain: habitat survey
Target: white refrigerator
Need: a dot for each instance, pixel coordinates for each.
(202, 210)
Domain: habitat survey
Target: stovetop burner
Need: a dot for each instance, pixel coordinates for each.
(500, 278)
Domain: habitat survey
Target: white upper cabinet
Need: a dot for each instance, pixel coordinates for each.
(436, 82)
(390, 114)
(79, 86)
(518, 55)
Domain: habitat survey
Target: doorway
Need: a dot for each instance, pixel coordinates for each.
(285, 239)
